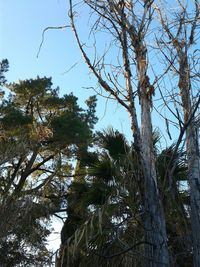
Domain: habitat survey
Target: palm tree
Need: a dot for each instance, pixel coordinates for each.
(106, 206)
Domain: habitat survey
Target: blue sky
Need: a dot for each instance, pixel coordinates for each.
(21, 26)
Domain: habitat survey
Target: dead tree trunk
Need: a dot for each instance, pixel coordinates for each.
(193, 156)
(123, 21)
(180, 41)
(156, 250)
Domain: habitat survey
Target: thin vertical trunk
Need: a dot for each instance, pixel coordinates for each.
(156, 249)
(194, 181)
(193, 156)
(181, 45)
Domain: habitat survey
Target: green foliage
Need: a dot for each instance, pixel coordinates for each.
(69, 128)
(41, 134)
(24, 242)
(90, 115)
(114, 142)
(14, 122)
(28, 93)
(4, 66)
(103, 169)
(169, 157)
(105, 208)
(97, 194)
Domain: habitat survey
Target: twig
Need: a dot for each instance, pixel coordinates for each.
(46, 29)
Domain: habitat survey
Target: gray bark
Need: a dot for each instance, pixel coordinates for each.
(194, 181)
(193, 156)
(156, 250)
(181, 42)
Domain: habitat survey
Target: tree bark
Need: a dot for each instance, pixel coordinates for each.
(193, 156)
(156, 249)
(155, 228)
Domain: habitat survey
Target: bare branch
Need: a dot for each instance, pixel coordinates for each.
(45, 30)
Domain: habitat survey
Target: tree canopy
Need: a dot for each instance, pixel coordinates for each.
(41, 134)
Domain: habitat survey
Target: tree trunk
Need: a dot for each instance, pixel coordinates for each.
(194, 181)
(156, 249)
(193, 156)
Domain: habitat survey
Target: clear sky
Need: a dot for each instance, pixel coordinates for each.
(21, 26)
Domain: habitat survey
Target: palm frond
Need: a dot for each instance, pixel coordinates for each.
(114, 142)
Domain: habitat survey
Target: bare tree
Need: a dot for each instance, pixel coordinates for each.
(178, 43)
(122, 72)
